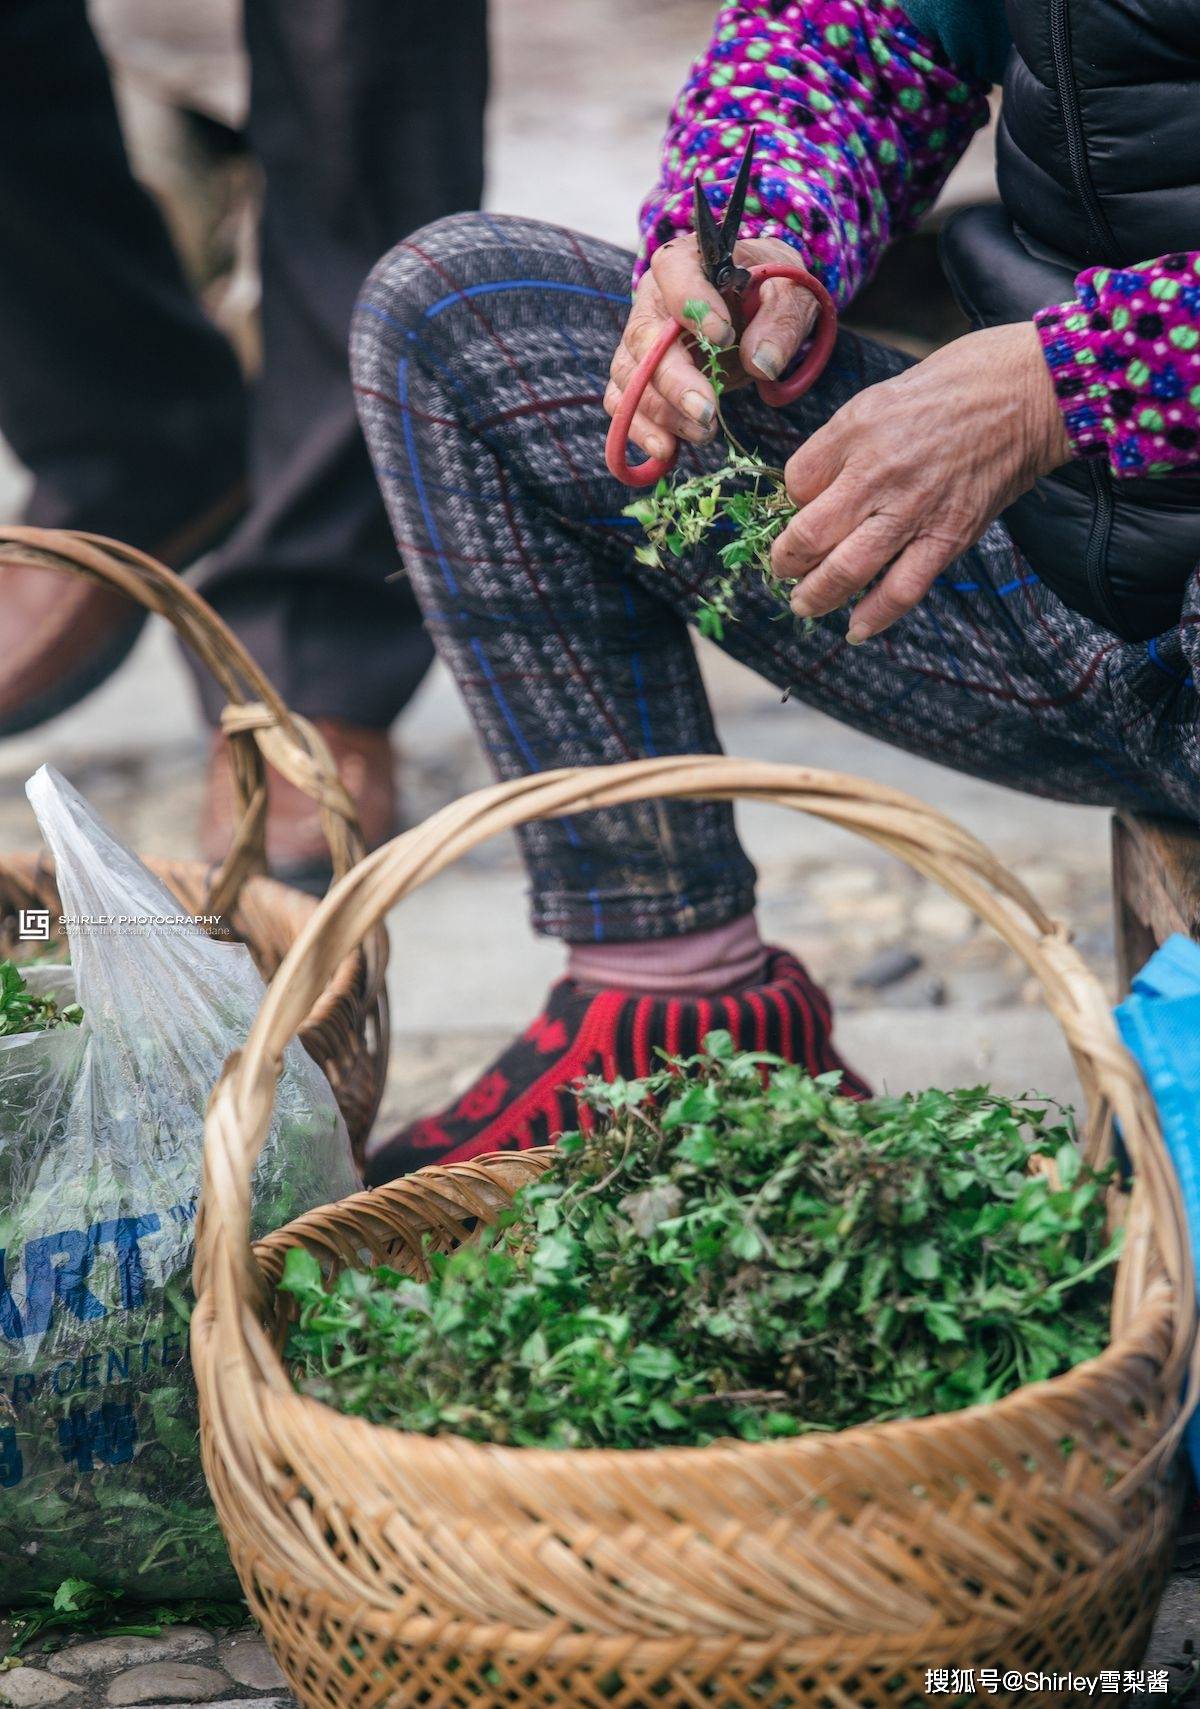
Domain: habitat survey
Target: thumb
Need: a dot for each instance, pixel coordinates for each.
(786, 315)
(679, 275)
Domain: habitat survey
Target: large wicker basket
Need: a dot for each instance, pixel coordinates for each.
(390, 1568)
(345, 1026)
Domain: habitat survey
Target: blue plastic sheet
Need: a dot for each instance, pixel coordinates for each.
(1160, 1023)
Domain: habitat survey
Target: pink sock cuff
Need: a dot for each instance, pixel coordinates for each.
(699, 964)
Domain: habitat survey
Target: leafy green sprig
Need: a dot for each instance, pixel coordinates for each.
(724, 1256)
(23, 1011)
(745, 498)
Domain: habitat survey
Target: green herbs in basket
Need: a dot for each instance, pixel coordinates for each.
(724, 1257)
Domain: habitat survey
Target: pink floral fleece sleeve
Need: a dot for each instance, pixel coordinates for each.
(1125, 356)
(859, 119)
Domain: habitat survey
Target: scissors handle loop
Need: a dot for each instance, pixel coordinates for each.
(776, 393)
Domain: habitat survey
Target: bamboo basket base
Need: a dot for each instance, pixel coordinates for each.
(360, 1658)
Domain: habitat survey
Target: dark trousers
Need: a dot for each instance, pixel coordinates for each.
(128, 406)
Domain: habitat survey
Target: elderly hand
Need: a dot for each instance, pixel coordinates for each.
(680, 403)
(909, 473)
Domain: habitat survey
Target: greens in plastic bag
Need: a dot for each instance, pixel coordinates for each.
(101, 1129)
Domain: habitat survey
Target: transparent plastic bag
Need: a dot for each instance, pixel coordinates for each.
(101, 1129)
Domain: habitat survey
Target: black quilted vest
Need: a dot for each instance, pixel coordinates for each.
(1098, 158)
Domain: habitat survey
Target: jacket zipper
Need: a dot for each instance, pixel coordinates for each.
(1100, 530)
(1068, 96)
(1099, 534)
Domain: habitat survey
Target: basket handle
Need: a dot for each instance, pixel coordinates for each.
(260, 728)
(241, 1104)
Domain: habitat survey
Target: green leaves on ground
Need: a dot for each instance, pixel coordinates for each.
(744, 499)
(724, 1257)
(78, 1606)
(22, 1011)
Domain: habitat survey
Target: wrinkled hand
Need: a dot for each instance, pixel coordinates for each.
(909, 473)
(680, 404)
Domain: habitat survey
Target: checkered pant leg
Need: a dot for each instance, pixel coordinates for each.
(480, 351)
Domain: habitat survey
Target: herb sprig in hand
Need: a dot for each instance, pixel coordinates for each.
(745, 498)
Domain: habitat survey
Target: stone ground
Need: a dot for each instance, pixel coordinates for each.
(185, 1665)
(924, 995)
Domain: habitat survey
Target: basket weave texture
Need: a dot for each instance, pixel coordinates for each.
(345, 1028)
(831, 1570)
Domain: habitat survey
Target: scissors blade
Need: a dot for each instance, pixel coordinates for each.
(708, 235)
(736, 206)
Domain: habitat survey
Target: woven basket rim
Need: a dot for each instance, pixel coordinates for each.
(38, 862)
(258, 724)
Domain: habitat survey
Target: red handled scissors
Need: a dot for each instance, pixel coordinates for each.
(740, 287)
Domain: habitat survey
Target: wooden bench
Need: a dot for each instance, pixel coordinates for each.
(1156, 886)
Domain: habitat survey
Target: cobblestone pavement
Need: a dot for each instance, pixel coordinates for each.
(924, 995)
(185, 1665)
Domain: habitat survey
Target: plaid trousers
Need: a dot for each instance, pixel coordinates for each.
(480, 354)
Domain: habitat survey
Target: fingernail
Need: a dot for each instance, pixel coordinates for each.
(800, 604)
(719, 331)
(698, 407)
(855, 636)
(658, 447)
(768, 359)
